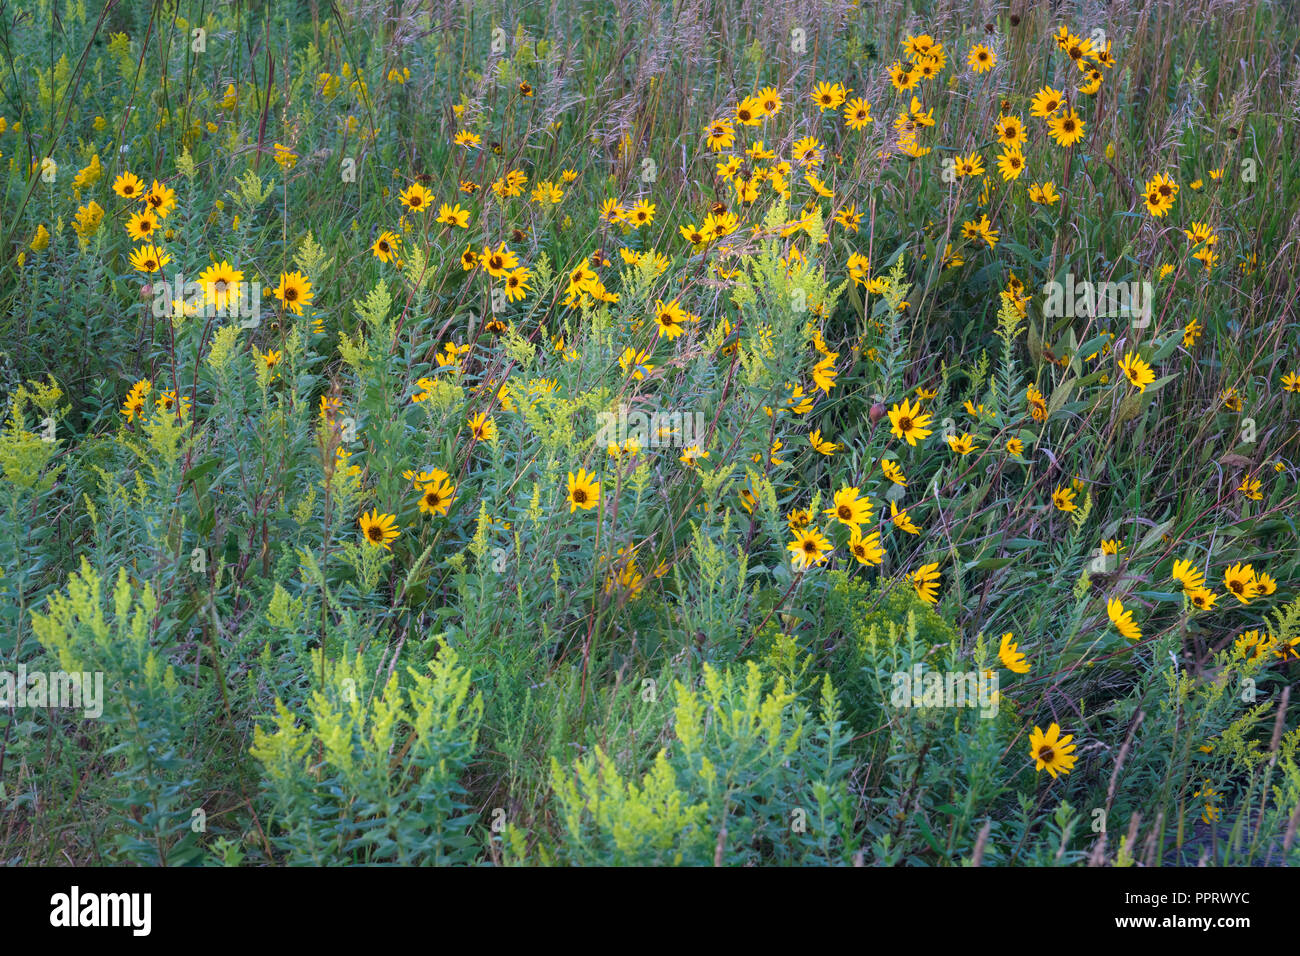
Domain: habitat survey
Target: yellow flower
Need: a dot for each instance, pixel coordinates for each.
(1138, 372)
(720, 134)
(908, 422)
(828, 96)
(972, 165)
(770, 100)
(482, 428)
(128, 186)
(294, 291)
(379, 529)
(1052, 752)
(87, 219)
(221, 283)
(824, 373)
(284, 156)
(820, 446)
(1046, 102)
(981, 59)
(141, 225)
(1252, 645)
(415, 197)
(1044, 195)
(499, 261)
(385, 247)
(1010, 131)
(868, 550)
(857, 114)
(925, 581)
(669, 319)
(809, 547)
(1066, 129)
(1012, 659)
(89, 175)
(893, 472)
(161, 199)
(583, 493)
(849, 509)
(902, 520)
(437, 495)
(133, 407)
(149, 258)
(642, 214)
(1240, 580)
(981, 229)
(1011, 164)
(453, 215)
(962, 444)
(1063, 499)
(1159, 194)
(749, 112)
(692, 455)
(1122, 619)
(516, 284)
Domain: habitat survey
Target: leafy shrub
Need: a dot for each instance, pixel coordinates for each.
(143, 735)
(371, 774)
(749, 775)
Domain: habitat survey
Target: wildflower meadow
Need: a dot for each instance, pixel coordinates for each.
(699, 432)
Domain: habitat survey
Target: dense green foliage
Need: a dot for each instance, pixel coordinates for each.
(521, 676)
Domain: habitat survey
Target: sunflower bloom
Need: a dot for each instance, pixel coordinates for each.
(294, 291)
(849, 509)
(1052, 752)
(810, 547)
(925, 581)
(1012, 659)
(583, 492)
(1122, 619)
(378, 529)
(908, 422)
